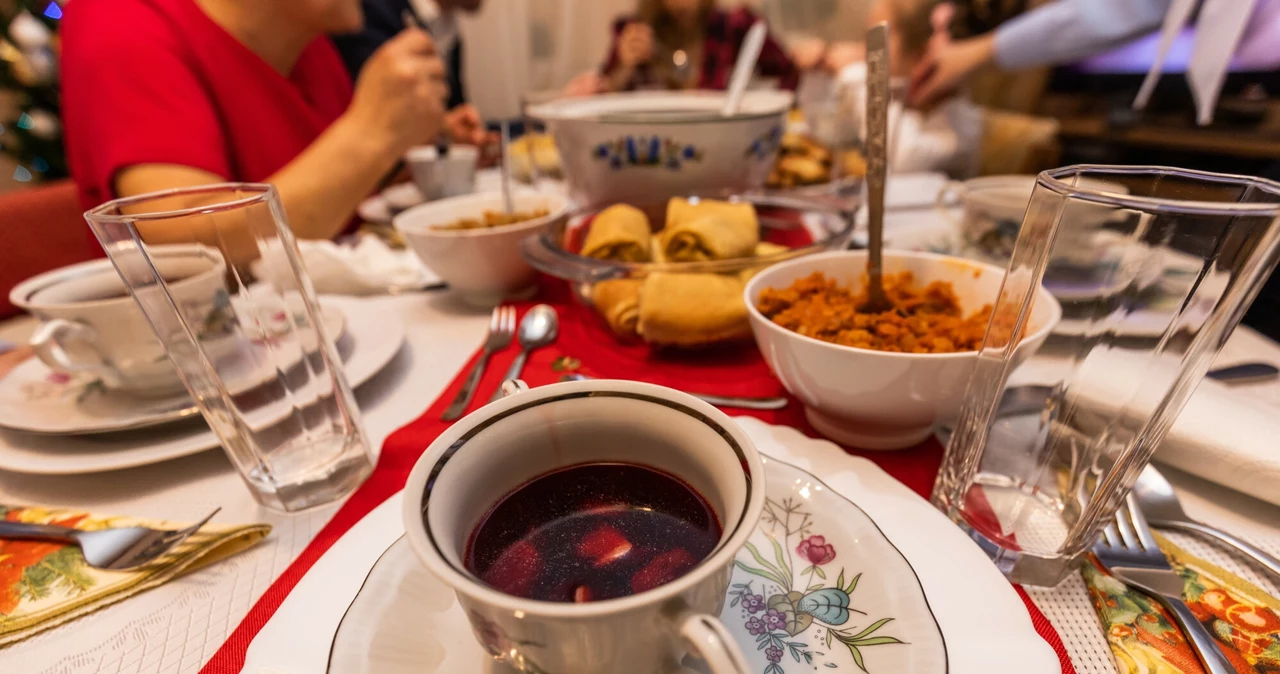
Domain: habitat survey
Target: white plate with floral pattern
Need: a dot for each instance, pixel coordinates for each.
(34, 399)
(372, 336)
(885, 586)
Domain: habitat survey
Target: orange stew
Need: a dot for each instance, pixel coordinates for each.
(924, 320)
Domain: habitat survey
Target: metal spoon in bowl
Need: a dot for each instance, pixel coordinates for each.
(507, 203)
(748, 54)
(538, 328)
(877, 162)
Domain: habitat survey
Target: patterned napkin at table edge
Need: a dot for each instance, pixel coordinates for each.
(1242, 618)
(43, 585)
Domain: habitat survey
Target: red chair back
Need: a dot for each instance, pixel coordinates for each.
(41, 228)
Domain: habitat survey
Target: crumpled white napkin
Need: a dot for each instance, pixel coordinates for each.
(1223, 435)
(1219, 26)
(369, 267)
(1227, 437)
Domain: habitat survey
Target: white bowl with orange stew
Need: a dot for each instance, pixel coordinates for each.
(483, 265)
(873, 399)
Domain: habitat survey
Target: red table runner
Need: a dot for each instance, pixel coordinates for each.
(738, 371)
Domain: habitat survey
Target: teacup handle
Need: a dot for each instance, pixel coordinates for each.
(710, 640)
(954, 189)
(48, 342)
(511, 387)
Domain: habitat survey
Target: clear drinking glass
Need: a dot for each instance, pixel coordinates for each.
(254, 350)
(1154, 268)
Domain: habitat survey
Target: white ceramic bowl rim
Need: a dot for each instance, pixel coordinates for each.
(558, 207)
(454, 440)
(22, 293)
(432, 153)
(647, 107)
(761, 278)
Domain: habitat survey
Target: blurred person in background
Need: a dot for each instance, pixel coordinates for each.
(947, 135)
(1056, 33)
(161, 94)
(384, 19)
(683, 44)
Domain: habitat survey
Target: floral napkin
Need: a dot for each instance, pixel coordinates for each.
(1244, 620)
(43, 585)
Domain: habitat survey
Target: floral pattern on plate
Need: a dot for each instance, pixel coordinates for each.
(819, 586)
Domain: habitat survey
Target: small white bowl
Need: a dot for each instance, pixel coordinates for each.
(484, 266)
(877, 399)
(616, 147)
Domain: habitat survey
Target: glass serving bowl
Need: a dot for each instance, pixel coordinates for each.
(801, 227)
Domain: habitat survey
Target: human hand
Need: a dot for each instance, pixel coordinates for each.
(842, 54)
(400, 94)
(585, 84)
(463, 126)
(807, 53)
(635, 45)
(945, 66)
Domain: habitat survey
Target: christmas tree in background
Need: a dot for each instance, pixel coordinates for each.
(30, 130)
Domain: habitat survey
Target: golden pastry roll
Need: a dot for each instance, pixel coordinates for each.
(692, 309)
(618, 301)
(619, 232)
(763, 249)
(805, 169)
(854, 164)
(709, 230)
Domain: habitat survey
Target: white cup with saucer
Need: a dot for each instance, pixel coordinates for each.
(90, 323)
(532, 432)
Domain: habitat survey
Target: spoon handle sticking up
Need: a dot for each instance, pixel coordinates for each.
(877, 161)
(748, 54)
(506, 168)
(413, 20)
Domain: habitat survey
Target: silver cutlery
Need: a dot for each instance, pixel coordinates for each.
(1245, 373)
(538, 329)
(877, 162)
(508, 205)
(718, 401)
(502, 327)
(1129, 551)
(119, 549)
(1159, 502)
(743, 67)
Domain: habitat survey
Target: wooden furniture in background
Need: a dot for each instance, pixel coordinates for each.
(1014, 143)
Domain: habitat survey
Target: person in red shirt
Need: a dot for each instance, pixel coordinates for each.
(682, 44)
(161, 94)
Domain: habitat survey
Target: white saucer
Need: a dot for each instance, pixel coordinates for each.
(375, 337)
(948, 605)
(34, 399)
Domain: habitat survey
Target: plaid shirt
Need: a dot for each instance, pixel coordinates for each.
(724, 35)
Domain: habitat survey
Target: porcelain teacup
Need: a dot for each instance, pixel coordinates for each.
(525, 435)
(91, 324)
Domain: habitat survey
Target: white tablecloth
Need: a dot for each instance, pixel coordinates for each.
(177, 627)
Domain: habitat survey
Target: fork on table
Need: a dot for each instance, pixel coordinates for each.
(1130, 552)
(119, 549)
(502, 327)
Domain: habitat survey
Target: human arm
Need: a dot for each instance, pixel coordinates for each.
(1059, 32)
(398, 103)
(1071, 30)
